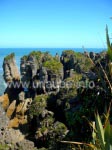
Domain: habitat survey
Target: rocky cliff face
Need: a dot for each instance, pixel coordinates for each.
(45, 106)
(39, 69)
(42, 70)
(11, 138)
(10, 69)
(75, 62)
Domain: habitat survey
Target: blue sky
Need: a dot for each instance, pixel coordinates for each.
(54, 23)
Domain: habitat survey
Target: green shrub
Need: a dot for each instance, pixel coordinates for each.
(4, 147)
(38, 105)
(53, 65)
(25, 57)
(37, 54)
(8, 57)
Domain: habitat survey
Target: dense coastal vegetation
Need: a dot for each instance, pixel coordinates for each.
(61, 103)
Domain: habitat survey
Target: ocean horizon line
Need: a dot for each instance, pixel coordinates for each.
(53, 47)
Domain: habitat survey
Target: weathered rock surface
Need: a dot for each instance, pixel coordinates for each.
(4, 99)
(73, 61)
(3, 118)
(48, 104)
(10, 138)
(10, 69)
(11, 109)
(38, 69)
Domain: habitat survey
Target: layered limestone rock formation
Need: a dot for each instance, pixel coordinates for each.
(10, 69)
(39, 69)
(44, 103)
(4, 99)
(77, 62)
(10, 138)
(16, 109)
